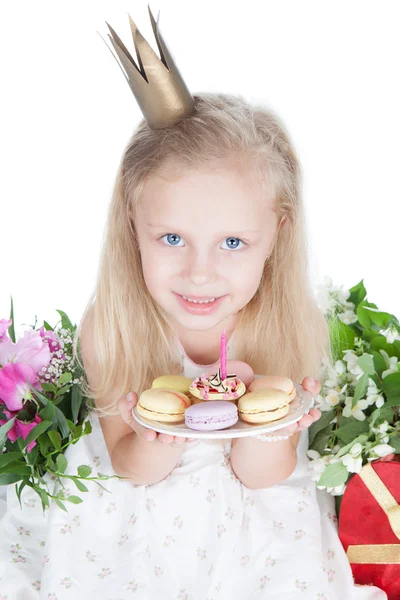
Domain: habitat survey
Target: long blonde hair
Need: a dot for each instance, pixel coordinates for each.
(281, 331)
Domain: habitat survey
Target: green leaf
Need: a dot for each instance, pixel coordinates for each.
(379, 362)
(19, 489)
(60, 504)
(348, 432)
(11, 329)
(357, 293)
(65, 322)
(55, 439)
(49, 387)
(379, 318)
(4, 429)
(385, 413)
(44, 496)
(366, 362)
(81, 486)
(76, 401)
(361, 439)
(65, 378)
(36, 431)
(334, 475)
(84, 471)
(8, 457)
(322, 423)
(47, 413)
(47, 326)
(17, 468)
(88, 428)
(62, 422)
(379, 343)
(341, 337)
(62, 463)
(391, 387)
(8, 478)
(44, 444)
(360, 389)
(395, 442)
(74, 499)
(321, 440)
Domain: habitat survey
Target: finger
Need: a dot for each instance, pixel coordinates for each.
(315, 413)
(179, 440)
(164, 438)
(147, 434)
(125, 405)
(312, 386)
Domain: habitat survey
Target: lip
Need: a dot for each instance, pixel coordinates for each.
(199, 309)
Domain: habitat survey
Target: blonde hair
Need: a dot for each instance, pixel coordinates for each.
(281, 331)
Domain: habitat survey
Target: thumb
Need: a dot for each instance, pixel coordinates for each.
(125, 405)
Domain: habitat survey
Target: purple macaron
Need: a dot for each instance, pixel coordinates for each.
(211, 415)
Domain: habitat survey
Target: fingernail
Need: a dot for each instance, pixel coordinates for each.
(312, 380)
(129, 397)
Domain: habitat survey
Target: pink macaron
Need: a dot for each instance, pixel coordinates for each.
(211, 415)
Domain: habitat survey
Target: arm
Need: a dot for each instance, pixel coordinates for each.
(144, 462)
(260, 464)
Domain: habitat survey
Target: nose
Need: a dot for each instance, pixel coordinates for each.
(200, 268)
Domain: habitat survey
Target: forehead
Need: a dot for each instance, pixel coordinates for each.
(207, 195)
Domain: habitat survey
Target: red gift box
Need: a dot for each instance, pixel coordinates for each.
(369, 525)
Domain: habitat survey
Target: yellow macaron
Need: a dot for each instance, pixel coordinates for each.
(263, 406)
(167, 406)
(274, 382)
(178, 383)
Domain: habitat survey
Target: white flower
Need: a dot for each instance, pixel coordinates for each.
(336, 491)
(352, 365)
(357, 410)
(348, 317)
(352, 464)
(393, 366)
(382, 450)
(340, 367)
(318, 465)
(391, 334)
(332, 398)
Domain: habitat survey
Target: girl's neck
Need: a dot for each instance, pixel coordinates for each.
(203, 347)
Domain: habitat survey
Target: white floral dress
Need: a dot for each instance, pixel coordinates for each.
(199, 534)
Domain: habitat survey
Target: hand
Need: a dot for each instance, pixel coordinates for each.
(314, 387)
(125, 406)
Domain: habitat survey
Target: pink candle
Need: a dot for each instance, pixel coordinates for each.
(223, 356)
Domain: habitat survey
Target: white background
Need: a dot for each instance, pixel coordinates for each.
(329, 69)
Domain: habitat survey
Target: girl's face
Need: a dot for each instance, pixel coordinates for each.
(204, 238)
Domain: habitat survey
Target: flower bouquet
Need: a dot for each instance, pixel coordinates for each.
(42, 410)
(360, 396)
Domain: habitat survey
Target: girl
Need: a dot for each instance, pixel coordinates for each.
(205, 232)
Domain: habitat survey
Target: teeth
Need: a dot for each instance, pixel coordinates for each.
(199, 301)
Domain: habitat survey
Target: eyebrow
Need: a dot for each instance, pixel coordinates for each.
(168, 228)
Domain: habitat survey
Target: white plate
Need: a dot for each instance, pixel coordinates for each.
(301, 404)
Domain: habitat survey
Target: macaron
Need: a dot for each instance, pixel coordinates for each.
(239, 368)
(263, 406)
(179, 383)
(275, 382)
(212, 415)
(158, 404)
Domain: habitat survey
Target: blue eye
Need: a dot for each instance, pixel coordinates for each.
(232, 243)
(173, 239)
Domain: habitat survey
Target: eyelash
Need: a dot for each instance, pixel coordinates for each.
(171, 246)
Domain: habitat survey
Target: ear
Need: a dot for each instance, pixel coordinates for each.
(282, 222)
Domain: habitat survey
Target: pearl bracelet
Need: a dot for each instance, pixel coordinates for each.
(271, 438)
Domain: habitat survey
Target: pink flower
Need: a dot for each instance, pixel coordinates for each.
(52, 339)
(14, 385)
(4, 325)
(21, 429)
(31, 350)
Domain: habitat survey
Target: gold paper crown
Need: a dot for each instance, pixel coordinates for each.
(157, 85)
